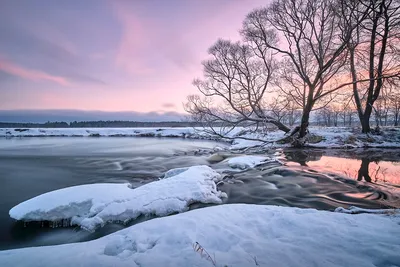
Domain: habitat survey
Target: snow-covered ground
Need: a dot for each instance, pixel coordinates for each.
(326, 137)
(236, 235)
(94, 205)
(96, 132)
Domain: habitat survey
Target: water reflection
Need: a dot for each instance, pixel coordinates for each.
(372, 166)
(363, 172)
(303, 156)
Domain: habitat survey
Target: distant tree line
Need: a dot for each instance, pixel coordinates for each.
(98, 124)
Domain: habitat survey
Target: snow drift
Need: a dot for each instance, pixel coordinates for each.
(233, 235)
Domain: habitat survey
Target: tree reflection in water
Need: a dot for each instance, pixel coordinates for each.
(303, 156)
(363, 172)
(369, 166)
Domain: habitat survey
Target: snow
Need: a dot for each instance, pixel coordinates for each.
(234, 235)
(94, 205)
(183, 132)
(332, 137)
(174, 172)
(94, 132)
(356, 210)
(243, 143)
(250, 161)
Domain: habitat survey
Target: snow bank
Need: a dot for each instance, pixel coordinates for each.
(347, 137)
(185, 132)
(332, 137)
(94, 205)
(243, 162)
(234, 235)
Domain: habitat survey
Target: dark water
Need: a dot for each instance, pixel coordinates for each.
(308, 178)
(321, 180)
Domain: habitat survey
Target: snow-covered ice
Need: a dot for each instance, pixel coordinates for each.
(235, 235)
(94, 205)
(97, 132)
(356, 210)
(174, 172)
(250, 161)
(243, 143)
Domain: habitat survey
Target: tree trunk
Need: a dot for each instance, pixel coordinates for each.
(305, 121)
(386, 118)
(344, 119)
(350, 119)
(366, 128)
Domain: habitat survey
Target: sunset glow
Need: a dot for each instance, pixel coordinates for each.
(109, 55)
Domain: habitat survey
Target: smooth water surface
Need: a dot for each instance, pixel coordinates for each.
(308, 178)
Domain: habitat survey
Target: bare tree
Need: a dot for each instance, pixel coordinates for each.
(277, 107)
(293, 112)
(394, 104)
(348, 111)
(234, 87)
(374, 54)
(310, 37)
(381, 109)
(284, 109)
(309, 51)
(325, 116)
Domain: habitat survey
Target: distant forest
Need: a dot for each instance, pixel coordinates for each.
(98, 124)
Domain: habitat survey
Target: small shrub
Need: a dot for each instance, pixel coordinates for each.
(313, 139)
(94, 135)
(350, 140)
(370, 139)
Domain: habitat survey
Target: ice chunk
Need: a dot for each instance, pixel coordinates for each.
(174, 172)
(93, 205)
(234, 235)
(243, 162)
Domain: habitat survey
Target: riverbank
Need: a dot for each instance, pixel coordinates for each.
(320, 137)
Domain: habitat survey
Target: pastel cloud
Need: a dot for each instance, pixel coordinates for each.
(113, 55)
(133, 42)
(29, 74)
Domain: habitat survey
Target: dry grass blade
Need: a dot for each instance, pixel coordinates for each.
(203, 253)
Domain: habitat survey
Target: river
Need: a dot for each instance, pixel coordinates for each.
(321, 179)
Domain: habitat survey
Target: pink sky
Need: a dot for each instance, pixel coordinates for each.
(110, 55)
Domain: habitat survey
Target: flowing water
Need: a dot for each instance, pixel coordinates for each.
(321, 179)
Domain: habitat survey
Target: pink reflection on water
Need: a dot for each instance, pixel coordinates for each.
(379, 172)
